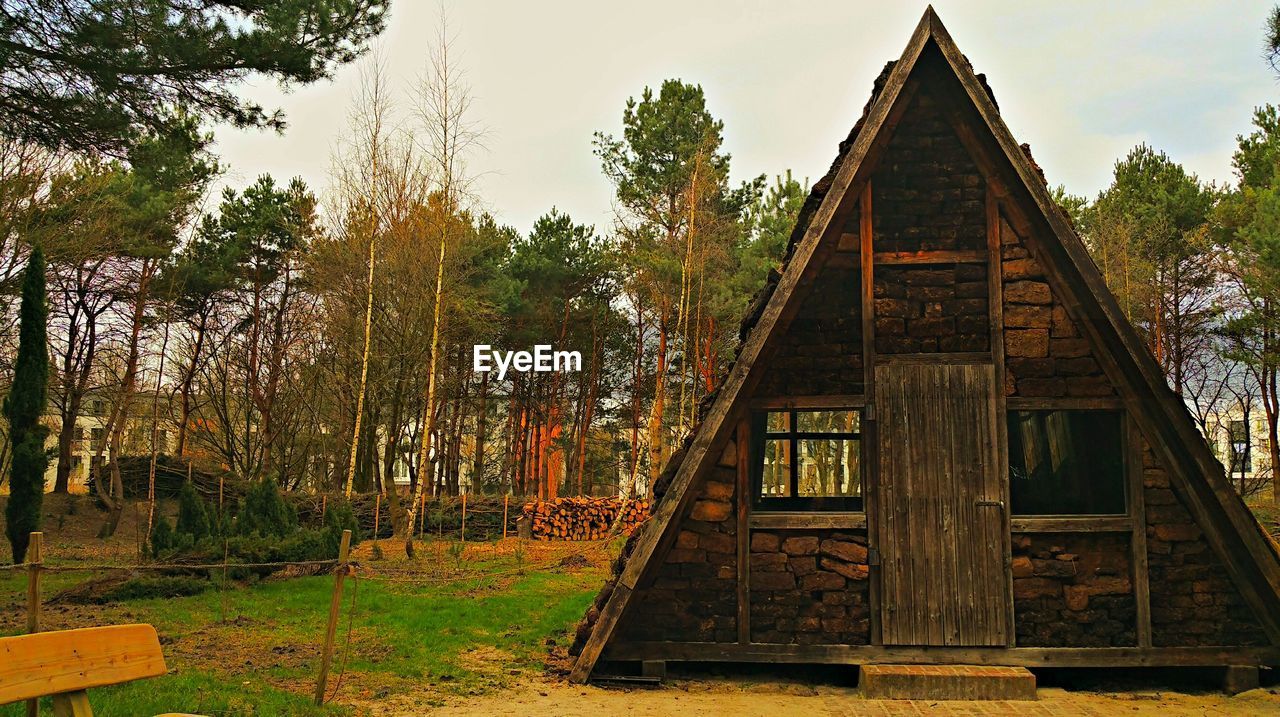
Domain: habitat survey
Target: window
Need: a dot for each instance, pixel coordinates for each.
(1066, 462)
(1241, 456)
(808, 459)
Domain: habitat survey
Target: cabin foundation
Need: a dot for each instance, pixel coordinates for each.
(946, 682)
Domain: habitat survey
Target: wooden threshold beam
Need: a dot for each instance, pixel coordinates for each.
(935, 358)
(1071, 524)
(939, 256)
(807, 519)
(1015, 656)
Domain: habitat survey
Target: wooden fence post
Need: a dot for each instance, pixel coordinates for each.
(335, 606)
(464, 517)
(505, 497)
(35, 556)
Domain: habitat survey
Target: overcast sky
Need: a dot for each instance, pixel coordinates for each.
(1081, 82)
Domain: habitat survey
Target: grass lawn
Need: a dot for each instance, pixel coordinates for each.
(1268, 512)
(424, 631)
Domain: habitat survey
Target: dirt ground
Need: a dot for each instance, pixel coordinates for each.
(71, 524)
(747, 699)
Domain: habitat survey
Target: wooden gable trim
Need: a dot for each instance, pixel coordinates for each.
(1247, 553)
(720, 420)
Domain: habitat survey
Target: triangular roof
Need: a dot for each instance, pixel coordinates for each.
(1249, 555)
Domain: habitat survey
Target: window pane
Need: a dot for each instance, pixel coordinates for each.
(1241, 460)
(828, 468)
(776, 481)
(1066, 463)
(778, 422)
(827, 422)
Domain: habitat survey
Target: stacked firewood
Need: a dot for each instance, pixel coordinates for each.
(583, 518)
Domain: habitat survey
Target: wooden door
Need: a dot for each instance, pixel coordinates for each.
(941, 509)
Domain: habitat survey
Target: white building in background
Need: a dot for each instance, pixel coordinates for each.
(91, 432)
(1240, 441)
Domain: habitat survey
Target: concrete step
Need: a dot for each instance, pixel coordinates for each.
(946, 682)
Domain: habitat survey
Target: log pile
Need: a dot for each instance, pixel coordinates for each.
(583, 518)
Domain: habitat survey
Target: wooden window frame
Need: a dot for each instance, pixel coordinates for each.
(795, 503)
(1029, 521)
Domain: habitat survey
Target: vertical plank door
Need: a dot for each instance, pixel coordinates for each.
(940, 511)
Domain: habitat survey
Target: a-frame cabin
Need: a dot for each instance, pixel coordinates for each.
(941, 441)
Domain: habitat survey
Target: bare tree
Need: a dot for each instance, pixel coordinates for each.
(444, 109)
(371, 121)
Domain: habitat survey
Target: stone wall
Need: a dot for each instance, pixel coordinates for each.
(1193, 601)
(809, 587)
(693, 594)
(927, 192)
(930, 309)
(1073, 590)
(821, 350)
(1045, 354)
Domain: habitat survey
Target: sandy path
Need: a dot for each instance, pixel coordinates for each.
(555, 699)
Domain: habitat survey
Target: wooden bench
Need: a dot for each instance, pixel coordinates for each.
(66, 663)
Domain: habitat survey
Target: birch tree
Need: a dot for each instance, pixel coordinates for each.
(444, 105)
(371, 123)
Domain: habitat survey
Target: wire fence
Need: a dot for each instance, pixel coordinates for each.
(437, 573)
(160, 567)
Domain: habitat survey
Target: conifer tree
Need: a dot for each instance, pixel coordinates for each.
(23, 408)
(93, 76)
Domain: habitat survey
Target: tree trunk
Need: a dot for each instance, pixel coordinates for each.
(588, 409)
(1272, 408)
(188, 379)
(428, 418)
(482, 419)
(364, 356)
(155, 434)
(120, 410)
(635, 400)
(657, 447)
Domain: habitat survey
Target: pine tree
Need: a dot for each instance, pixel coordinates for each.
(89, 76)
(23, 408)
(193, 517)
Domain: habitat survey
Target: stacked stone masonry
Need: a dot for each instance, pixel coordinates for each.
(693, 595)
(1193, 601)
(821, 350)
(927, 193)
(809, 588)
(1073, 590)
(931, 309)
(1045, 354)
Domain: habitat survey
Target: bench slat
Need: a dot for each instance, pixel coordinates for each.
(48, 663)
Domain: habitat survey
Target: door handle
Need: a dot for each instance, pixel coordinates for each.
(989, 504)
